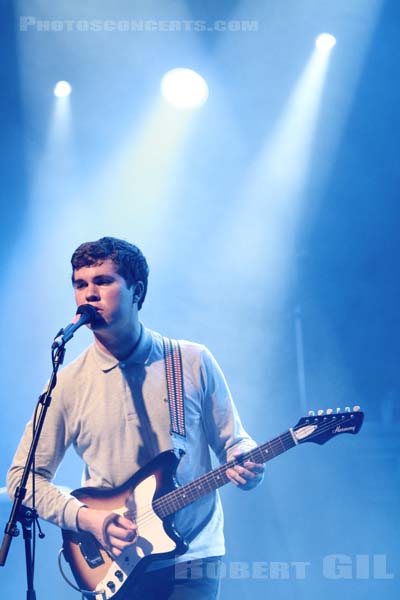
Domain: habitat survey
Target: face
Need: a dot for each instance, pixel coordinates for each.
(101, 286)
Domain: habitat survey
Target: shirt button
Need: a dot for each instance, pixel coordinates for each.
(122, 365)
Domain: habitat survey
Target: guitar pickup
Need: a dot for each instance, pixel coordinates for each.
(90, 550)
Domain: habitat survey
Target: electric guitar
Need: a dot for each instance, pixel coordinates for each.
(151, 497)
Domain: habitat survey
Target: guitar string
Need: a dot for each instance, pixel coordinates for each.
(192, 488)
(167, 502)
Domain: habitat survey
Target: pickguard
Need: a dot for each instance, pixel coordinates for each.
(152, 538)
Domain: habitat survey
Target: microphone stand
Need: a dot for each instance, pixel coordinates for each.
(28, 516)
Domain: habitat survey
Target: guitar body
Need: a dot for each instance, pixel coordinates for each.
(93, 568)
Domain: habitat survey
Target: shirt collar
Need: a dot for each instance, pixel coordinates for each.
(139, 355)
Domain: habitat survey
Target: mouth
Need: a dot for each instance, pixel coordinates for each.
(99, 320)
(96, 308)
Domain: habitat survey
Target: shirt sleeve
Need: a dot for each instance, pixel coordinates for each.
(225, 432)
(51, 502)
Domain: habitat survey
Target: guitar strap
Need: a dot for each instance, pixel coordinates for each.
(175, 388)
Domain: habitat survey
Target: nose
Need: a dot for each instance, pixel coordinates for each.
(92, 293)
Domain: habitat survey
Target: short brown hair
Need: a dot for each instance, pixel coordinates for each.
(129, 260)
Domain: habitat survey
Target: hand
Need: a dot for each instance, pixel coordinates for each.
(114, 532)
(247, 475)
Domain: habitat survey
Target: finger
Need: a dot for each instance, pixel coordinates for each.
(125, 523)
(235, 477)
(244, 472)
(119, 544)
(247, 477)
(120, 533)
(255, 469)
(231, 476)
(116, 551)
(253, 465)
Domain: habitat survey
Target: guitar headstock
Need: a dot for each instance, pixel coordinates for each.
(324, 426)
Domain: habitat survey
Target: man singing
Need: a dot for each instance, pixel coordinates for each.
(113, 405)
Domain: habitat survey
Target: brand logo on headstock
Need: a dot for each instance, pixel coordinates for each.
(340, 429)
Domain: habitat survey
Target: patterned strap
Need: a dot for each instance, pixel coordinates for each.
(174, 376)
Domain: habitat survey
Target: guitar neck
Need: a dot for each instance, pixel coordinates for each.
(182, 496)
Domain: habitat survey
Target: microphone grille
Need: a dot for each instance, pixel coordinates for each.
(89, 311)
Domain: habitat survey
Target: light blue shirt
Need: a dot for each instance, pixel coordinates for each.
(116, 415)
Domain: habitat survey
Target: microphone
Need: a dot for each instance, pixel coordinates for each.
(87, 314)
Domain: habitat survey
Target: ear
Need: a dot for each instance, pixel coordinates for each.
(137, 291)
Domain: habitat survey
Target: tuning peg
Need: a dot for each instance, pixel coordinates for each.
(311, 413)
(347, 409)
(329, 411)
(320, 412)
(356, 408)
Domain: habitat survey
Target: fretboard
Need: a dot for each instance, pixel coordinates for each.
(182, 496)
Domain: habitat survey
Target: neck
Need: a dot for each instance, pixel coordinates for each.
(120, 345)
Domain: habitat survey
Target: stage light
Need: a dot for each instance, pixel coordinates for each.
(62, 89)
(325, 42)
(184, 88)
